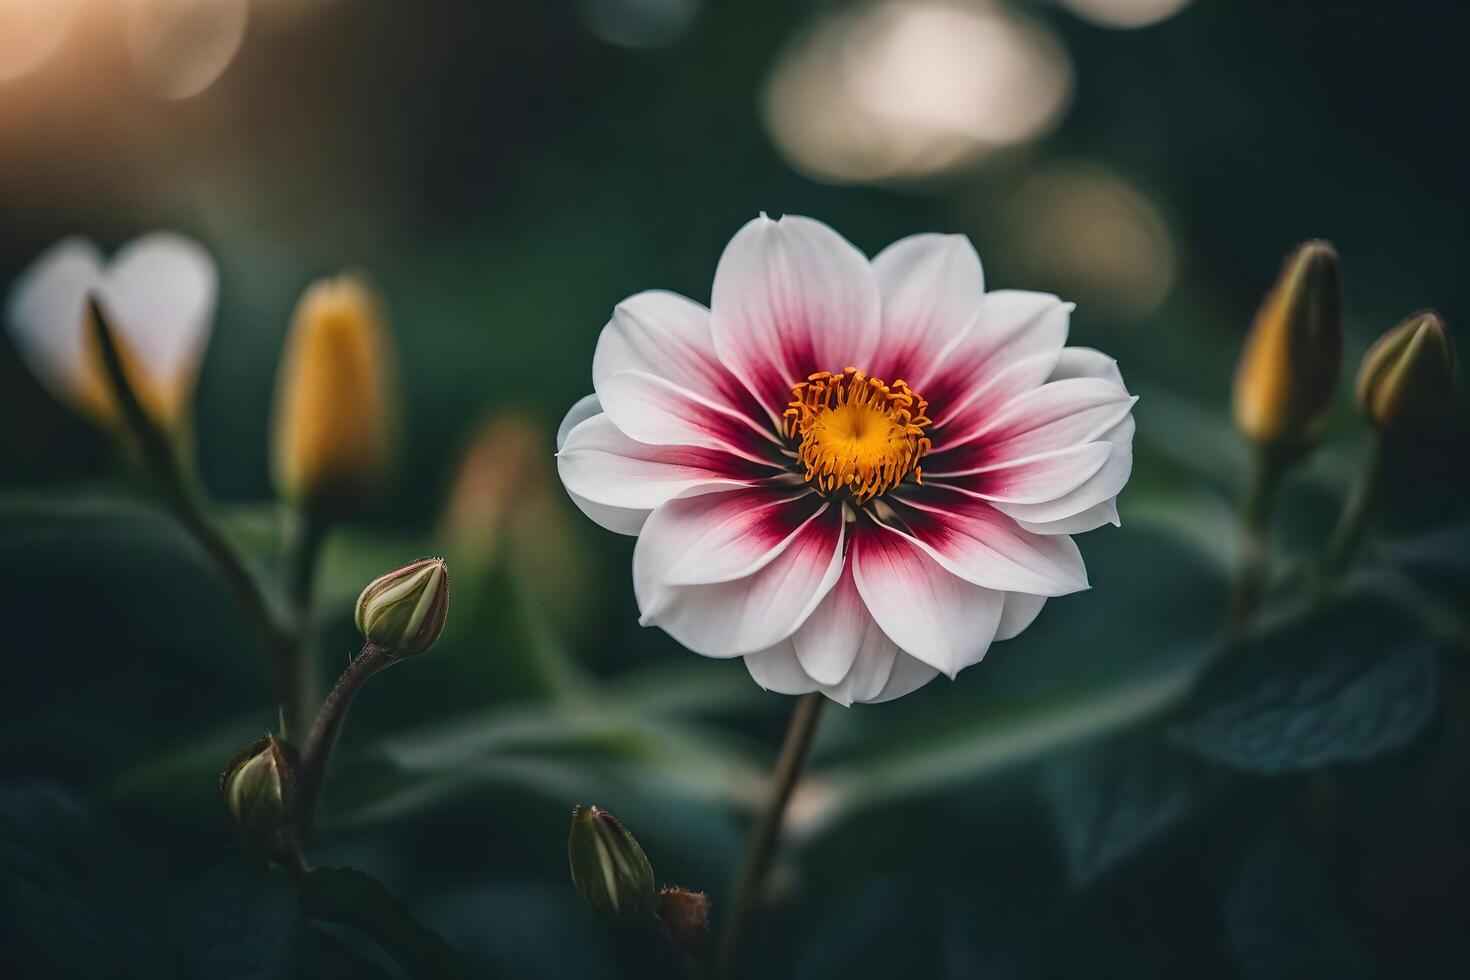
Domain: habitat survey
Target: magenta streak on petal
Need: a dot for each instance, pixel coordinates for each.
(734, 534)
(715, 462)
(981, 543)
(732, 431)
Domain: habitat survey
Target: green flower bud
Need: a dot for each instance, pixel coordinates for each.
(402, 613)
(259, 786)
(1293, 354)
(1408, 375)
(609, 869)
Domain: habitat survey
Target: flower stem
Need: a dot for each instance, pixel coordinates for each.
(161, 460)
(1354, 519)
(763, 836)
(1267, 467)
(317, 750)
(301, 572)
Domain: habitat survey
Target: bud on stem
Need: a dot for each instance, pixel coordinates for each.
(259, 786)
(1407, 376)
(610, 871)
(402, 613)
(1293, 354)
(334, 417)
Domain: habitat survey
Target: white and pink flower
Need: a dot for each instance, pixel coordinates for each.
(856, 475)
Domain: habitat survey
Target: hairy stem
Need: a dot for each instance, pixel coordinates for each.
(762, 844)
(316, 753)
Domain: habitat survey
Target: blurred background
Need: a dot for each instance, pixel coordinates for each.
(506, 172)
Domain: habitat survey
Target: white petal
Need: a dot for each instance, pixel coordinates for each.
(719, 537)
(1091, 504)
(619, 520)
(584, 408)
(1013, 325)
(599, 463)
(1033, 479)
(871, 668)
(930, 613)
(1085, 362)
(46, 313)
(932, 291)
(792, 297)
(160, 290)
(1057, 415)
(828, 642)
(777, 669)
(908, 675)
(982, 545)
(1021, 610)
(732, 619)
(668, 336)
(655, 411)
(1090, 519)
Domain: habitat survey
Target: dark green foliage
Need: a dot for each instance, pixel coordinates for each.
(1348, 687)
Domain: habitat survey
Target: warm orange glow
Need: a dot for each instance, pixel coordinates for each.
(855, 433)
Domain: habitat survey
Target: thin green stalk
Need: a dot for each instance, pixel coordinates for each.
(1267, 468)
(762, 844)
(161, 460)
(303, 559)
(1355, 512)
(316, 752)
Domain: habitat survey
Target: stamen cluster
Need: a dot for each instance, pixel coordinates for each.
(855, 434)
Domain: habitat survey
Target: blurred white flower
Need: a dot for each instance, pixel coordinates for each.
(159, 293)
(1125, 14)
(1083, 229)
(799, 503)
(179, 47)
(904, 89)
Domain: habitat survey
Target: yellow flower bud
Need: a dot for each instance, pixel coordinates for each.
(334, 424)
(1288, 370)
(1407, 376)
(259, 787)
(402, 613)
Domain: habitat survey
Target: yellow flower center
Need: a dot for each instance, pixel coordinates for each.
(855, 433)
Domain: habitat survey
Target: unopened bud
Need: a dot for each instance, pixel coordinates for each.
(609, 869)
(334, 418)
(1408, 375)
(259, 786)
(402, 613)
(1289, 368)
(686, 915)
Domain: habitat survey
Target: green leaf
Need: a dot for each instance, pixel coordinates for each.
(71, 903)
(525, 928)
(360, 901)
(1345, 686)
(322, 956)
(238, 918)
(1112, 801)
(1281, 921)
(1092, 663)
(562, 752)
(995, 743)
